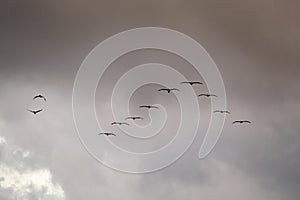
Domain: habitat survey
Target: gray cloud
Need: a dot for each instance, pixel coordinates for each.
(255, 45)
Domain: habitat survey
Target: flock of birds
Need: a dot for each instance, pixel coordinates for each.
(169, 90)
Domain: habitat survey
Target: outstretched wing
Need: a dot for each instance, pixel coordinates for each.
(38, 111)
(163, 89)
(125, 123)
(185, 82)
(196, 82)
(247, 121)
(30, 111)
(143, 106)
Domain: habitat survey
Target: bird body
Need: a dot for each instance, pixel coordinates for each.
(40, 96)
(241, 121)
(168, 89)
(35, 111)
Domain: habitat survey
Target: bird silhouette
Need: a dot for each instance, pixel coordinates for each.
(241, 121)
(168, 89)
(222, 111)
(148, 106)
(207, 95)
(40, 96)
(119, 123)
(107, 134)
(192, 82)
(134, 117)
(35, 111)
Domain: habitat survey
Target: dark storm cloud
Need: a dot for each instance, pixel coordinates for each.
(255, 45)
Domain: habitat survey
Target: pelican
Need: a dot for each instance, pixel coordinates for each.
(168, 89)
(241, 121)
(119, 123)
(148, 106)
(35, 111)
(207, 95)
(222, 111)
(192, 82)
(40, 96)
(107, 134)
(134, 117)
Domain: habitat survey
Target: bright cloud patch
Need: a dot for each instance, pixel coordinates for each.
(19, 182)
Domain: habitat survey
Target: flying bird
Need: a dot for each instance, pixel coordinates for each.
(222, 111)
(107, 134)
(119, 123)
(148, 106)
(241, 121)
(40, 96)
(134, 118)
(192, 82)
(35, 111)
(207, 95)
(168, 89)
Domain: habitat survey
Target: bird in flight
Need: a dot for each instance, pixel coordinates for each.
(192, 82)
(119, 123)
(35, 111)
(148, 106)
(107, 134)
(241, 121)
(207, 95)
(40, 96)
(222, 111)
(168, 89)
(134, 117)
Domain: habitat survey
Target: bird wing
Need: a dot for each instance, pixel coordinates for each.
(197, 82)
(39, 110)
(247, 121)
(175, 89)
(163, 89)
(30, 111)
(184, 82)
(236, 121)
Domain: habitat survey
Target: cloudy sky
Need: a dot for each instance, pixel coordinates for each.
(255, 45)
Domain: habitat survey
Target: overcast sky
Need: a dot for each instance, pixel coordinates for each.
(256, 46)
